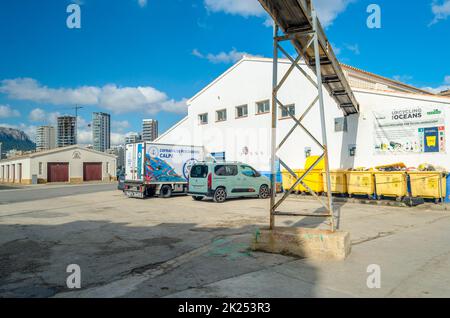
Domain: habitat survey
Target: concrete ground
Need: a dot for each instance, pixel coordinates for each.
(181, 248)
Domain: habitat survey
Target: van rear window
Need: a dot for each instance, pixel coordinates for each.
(199, 171)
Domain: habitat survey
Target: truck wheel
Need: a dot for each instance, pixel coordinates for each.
(220, 195)
(149, 192)
(165, 191)
(264, 192)
(196, 198)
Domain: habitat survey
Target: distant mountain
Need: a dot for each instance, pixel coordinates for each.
(15, 139)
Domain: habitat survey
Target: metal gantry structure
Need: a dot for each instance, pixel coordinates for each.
(296, 21)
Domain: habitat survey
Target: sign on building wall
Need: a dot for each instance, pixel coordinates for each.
(409, 130)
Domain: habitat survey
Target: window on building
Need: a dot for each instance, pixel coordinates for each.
(219, 156)
(263, 107)
(203, 119)
(241, 111)
(40, 168)
(340, 124)
(290, 109)
(107, 167)
(221, 115)
(3, 172)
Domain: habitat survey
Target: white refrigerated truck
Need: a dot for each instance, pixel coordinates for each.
(158, 169)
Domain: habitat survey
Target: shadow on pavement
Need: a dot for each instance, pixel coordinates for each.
(178, 259)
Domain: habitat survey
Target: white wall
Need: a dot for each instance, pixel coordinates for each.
(20, 164)
(30, 166)
(250, 81)
(75, 165)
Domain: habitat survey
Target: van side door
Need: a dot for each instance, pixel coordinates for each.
(225, 175)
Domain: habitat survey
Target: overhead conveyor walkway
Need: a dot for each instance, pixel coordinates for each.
(295, 19)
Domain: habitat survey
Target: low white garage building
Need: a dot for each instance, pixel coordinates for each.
(397, 122)
(73, 164)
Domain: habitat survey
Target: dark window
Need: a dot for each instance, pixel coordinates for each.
(226, 170)
(203, 119)
(199, 171)
(263, 107)
(285, 113)
(249, 171)
(340, 124)
(241, 111)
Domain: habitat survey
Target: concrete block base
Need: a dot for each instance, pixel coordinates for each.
(303, 242)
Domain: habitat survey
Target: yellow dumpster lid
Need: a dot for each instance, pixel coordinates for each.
(311, 160)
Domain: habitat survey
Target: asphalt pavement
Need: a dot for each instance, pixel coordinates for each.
(46, 191)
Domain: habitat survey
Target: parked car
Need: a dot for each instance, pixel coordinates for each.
(223, 180)
(121, 181)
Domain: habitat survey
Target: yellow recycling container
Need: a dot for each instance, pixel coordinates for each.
(338, 181)
(313, 180)
(428, 184)
(288, 180)
(360, 183)
(310, 161)
(391, 184)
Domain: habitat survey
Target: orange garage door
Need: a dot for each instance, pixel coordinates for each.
(92, 171)
(57, 172)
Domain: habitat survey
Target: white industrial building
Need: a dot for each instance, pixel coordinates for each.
(397, 122)
(73, 164)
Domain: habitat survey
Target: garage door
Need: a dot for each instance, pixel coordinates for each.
(57, 172)
(92, 171)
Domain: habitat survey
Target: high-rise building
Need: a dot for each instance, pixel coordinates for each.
(1, 153)
(149, 129)
(67, 131)
(45, 138)
(119, 151)
(101, 131)
(132, 138)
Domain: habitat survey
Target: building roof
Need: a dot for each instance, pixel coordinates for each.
(350, 70)
(56, 150)
(384, 80)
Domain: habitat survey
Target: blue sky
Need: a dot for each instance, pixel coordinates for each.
(142, 59)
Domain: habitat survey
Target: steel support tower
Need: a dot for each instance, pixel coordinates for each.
(296, 21)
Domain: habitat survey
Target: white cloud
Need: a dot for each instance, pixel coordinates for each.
(436, 90)
(40, 115)
(245, 8)
(447, 80)
(116, 99)
(354, 48)
(120, 125)
(84, 136)
(117, 139)
(327, 10)
(37, 115)
(223, 57)
(142, 3)
(6, 112)
(440, 10)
